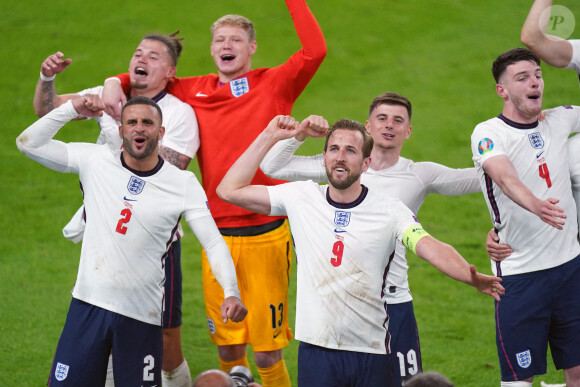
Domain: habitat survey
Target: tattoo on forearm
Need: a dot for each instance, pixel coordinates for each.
(49, 94)
(179, 160)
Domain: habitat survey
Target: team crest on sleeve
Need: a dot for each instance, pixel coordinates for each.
(135, 185)
(342, 218)
(485, 145)
(524, 359)
(536, 140)
(239, 86)
(61, 371)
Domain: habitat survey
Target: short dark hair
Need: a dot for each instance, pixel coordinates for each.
(356, 126)
(171, 41)
(510, 57)
(141, 100)
(391, 99)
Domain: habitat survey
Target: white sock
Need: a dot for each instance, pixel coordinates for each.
(179, 377)
(110, 382)
(516, 384)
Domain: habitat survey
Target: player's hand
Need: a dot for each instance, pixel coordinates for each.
(89, 105)
(312, 126)
(113, 98)
(282, 127)
(487, 284)
(496, 251)
(54, 64)
(552, 214)
(233, 309)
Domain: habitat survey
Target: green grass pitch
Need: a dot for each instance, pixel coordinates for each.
(438, 53)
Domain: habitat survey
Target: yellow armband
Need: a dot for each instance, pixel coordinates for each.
(412, 235)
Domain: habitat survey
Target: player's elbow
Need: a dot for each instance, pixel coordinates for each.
(224, 193)
(21, 143)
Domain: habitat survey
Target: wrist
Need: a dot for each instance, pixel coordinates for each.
(45, 78)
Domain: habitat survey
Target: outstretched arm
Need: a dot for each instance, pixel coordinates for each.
(552, 49)
(45, 97)
(447, 260)
(235, 187)
(503, 173)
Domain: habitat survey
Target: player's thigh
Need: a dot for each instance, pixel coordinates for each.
(173, 286)
(523, 318)
(83, 349)
(405, 348)
(137, 351)
(565, 327)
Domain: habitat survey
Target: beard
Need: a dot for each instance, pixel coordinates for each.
(343, 184)
(151, 145)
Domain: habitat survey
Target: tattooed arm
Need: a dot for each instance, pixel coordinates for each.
(181, 161)
(45, 97)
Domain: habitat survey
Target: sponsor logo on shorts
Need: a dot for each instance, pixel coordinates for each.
(524, 359)
(61, 372)
(211, 325)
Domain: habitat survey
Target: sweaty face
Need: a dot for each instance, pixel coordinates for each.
(151, 66)
(343, 158)
(141, 131)
(522, 88)
(389, 126)
(231, 50)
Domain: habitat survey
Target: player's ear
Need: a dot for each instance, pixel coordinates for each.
(500, 90)
(253, 47)
(161, 132)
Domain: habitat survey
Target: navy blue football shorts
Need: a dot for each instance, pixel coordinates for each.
(173, 286)
(405, 348)
(539, 308)
(320, 367)
(88, 335)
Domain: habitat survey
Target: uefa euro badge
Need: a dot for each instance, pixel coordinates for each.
(536, 140)
(342, 218)
(61, 372)
(135, 185)
(485, 145)
(239, 86)
(524, 359)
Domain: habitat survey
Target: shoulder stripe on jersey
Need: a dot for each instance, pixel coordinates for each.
(491, 197)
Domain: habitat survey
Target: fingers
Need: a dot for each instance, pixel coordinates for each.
(233, 309)
(54, 64)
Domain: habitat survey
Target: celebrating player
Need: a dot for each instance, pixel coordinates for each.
(261, 246)
(152, 65)
(133, 201)
(345, 235)
(523, 168)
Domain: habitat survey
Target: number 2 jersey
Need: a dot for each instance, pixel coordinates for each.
(343, 253)
(539, 155)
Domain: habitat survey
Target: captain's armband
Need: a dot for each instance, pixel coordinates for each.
(412, 235)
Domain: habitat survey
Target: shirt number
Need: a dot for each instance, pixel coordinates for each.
(126, 217)
(337, 250)
(545, 174)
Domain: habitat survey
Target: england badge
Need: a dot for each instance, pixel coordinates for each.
(536, 140)
(239, 86)
(135, 185)
(61, 371)
(342, 218)
(524, 359)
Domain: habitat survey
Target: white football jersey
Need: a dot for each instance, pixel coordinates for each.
(407, 181)
(539, 155)
(575, 62)
(343, 253)
(574, 162)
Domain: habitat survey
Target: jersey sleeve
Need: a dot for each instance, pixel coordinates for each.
(278, 195)
(181, 130)
(447, 181)
(485, 143)
(281, 163)
(575, 61)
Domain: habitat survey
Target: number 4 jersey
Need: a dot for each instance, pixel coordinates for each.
(539, 156)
